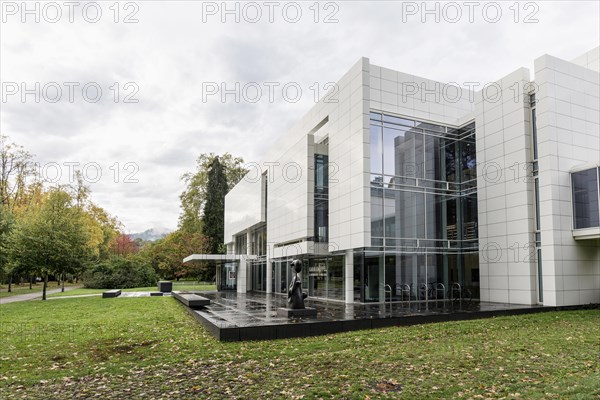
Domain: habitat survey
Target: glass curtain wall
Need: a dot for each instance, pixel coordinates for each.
(322, 277)
(258, 268)
(259, 276)
(226, 276)
(423, 211)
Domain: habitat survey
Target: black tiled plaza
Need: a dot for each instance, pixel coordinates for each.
(253, 316)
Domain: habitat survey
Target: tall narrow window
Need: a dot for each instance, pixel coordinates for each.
(321, 198)
(536, 192)
(534, 128)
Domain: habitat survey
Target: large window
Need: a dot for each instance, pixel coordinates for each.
(585, 198)
(423, 211)
(423, 181)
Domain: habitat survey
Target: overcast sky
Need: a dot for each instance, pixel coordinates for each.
(177, 49)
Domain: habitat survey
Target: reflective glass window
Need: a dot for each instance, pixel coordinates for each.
(585, 199)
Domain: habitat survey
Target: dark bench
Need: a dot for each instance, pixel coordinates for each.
(191, 300)
(165, 286)
(111, 293)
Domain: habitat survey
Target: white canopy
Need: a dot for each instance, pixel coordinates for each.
(218, 257)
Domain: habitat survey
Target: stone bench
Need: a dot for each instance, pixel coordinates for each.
(111, 293)
(191, 300)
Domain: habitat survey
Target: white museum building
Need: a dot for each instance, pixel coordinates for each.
(394, 187)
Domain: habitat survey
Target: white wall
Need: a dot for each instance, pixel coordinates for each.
(290, 194)
(416, 97)
(290, 203)
(290, 167)
(569, 135)
(505, 197)
(349, 157)
(243, 206)
(590, 59)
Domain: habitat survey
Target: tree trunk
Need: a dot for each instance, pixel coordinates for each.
(45, 285)
(30, 281)
(63, 282)
(9, 283)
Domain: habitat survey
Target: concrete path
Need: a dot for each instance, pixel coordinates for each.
(32, 296)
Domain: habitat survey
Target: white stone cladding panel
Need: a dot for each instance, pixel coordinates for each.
(569, 135)
(243, 206)
(505, 194)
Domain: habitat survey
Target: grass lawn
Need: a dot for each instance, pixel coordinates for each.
(24, 288)
(152, 348)
(176, 286)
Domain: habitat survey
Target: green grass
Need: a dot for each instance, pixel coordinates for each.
(24, 288)
(176, 286)
(151, 347)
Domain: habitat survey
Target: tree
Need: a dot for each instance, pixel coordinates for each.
(52, 238)
(213, 218)
(16, 167)
(7, 222)
(32, 216)
(166, 255)
(79, 191)
(124, 245)
(109, 227)
(193, 198)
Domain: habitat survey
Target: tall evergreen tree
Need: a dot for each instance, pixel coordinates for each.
(213, 218)
(193, 199)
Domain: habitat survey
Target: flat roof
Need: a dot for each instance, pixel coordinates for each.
(218, 257)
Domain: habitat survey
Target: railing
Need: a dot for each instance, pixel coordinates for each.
(386, 291)
(439, 287)
(455, 288)
(434, 291)
(404, 288)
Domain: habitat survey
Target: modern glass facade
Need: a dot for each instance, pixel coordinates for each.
(322, 277)
(226, 277)
(258, 267)
(423, 212)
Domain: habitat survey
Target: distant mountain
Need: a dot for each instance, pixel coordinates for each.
(150, 235)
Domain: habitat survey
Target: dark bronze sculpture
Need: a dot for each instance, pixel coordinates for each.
(295, 294)
(295, 303)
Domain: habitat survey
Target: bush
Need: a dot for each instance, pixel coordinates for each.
(120, 273)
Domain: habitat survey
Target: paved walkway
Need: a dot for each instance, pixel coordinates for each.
(32, 296)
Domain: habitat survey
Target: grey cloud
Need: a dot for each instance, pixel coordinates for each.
(170, 52)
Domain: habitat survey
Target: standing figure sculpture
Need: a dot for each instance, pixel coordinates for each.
(295, 294)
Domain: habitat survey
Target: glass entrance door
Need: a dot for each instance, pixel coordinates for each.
(374, 284)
